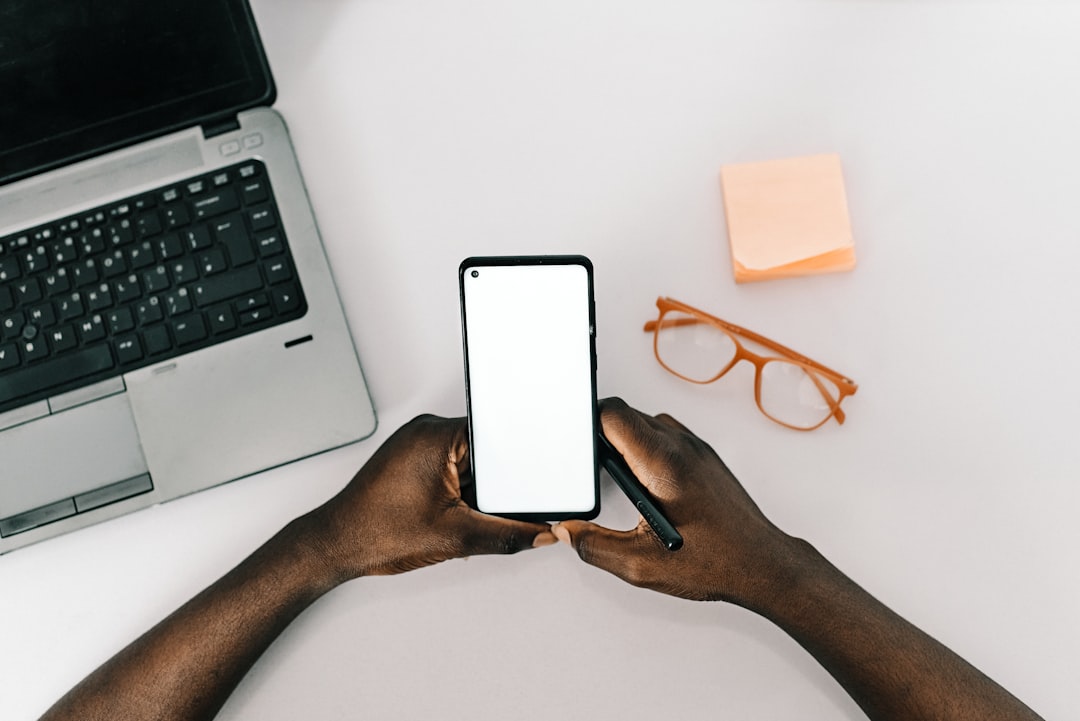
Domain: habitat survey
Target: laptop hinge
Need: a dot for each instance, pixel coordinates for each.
(220, 127)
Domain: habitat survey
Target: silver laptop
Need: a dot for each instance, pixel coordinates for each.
(168, 320)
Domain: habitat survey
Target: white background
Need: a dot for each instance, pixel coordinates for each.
(429, 131)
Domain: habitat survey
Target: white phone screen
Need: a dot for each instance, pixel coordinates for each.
(529, 372)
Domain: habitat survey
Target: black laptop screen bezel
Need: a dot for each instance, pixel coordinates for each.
(218, 102)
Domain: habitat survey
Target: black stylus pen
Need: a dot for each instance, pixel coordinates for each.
(631, 486)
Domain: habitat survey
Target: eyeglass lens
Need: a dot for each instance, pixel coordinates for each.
(695, 350)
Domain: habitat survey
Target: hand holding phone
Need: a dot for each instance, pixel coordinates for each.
(625, 479)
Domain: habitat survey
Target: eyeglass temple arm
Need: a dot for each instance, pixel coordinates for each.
(850, 385)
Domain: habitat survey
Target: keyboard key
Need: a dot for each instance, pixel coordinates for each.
(145, 202)
(278, 272)
(35, 350)
(85, 273)
(156, 279)
(190, 329)
(64, 252)
(178, 302)
(269, 245)
(63, 338)
(222, 319)
(250, 302)
(197, 238)
(9, 356)
(176, 215)
(254, 191)
(170, 247)
(212, 261)
(231, 233)
(214, 290)
(42, 315)
(92, 242)
(127, 289)
(250, 317)
(149, 311)
(70, 307)
(128, 350)
(141, 255)
(157, 340)
(9, 268)
(120, 233)
(56, 282)
(99, 298)
(120, 320)
(262, 218)
(114, 265)
(92, 330)
(148, 224)
(96, 218)
(27, 291)
(35, 261)
(184, 271)
(216, 203)
(7, 299)
(11, 325)
(54, 372)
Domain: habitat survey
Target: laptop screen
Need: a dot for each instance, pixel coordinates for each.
(81, 78)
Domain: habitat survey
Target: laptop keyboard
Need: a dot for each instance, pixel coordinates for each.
(142, 280)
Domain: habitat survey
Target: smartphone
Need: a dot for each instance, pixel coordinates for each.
(528, 328)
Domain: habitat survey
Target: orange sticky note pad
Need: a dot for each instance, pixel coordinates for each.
(787, 218)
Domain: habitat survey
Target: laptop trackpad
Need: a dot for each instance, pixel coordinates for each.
(69, 453)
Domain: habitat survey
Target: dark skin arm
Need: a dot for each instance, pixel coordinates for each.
(733, 553)
(402, 511)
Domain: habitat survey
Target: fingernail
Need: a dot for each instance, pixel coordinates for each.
(561, 533)
(544, 538)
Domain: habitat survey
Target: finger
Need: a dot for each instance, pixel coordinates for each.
(460, 457)
(622, 425)
(637, 437)
(620, 553)
(481, 534)
(669, 421)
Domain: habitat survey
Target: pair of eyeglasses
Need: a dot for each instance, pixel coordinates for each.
(789, 388)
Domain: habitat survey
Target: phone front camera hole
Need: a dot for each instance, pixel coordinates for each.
(476, 274)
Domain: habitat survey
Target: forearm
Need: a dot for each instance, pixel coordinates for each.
(186, 666)
(888, 666)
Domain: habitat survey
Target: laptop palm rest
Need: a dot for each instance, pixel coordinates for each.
(57, 463)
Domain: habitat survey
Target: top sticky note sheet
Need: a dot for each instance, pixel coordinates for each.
(787, 218)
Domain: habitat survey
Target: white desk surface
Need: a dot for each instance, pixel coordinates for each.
(429, 131)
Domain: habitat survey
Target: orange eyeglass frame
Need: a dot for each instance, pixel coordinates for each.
(844, 385)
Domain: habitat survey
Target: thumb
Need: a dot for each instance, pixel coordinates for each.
(484, 534)
(609, 550)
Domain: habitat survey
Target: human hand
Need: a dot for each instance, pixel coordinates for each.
(731, 550)
(403, 510)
